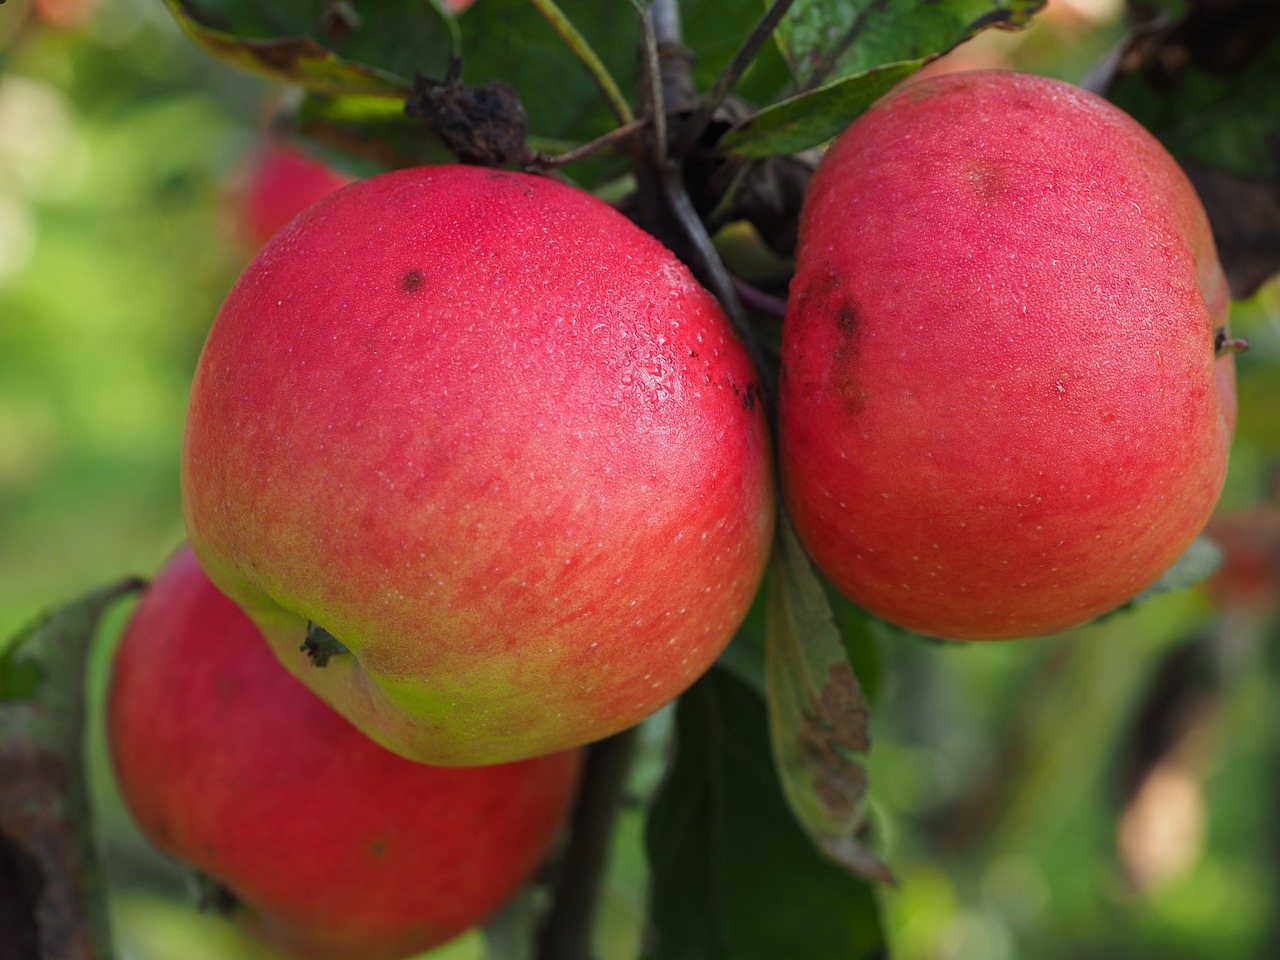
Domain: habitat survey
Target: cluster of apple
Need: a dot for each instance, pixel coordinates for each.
(492, 474)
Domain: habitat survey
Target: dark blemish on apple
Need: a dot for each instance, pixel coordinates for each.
(411, 281)
(846, 317)
(226, 688)
(846, 384)
(379, 849)
(989, 181)
(847, 320)
(748, 396)
(854, 397)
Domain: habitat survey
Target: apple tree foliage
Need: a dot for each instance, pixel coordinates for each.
(689, 114)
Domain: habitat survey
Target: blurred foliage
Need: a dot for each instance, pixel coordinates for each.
(996, 789)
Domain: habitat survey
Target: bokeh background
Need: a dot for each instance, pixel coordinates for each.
(1106, 794)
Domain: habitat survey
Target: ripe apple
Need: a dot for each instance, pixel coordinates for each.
(65, 14)
(282, 182)
(1000, 410)
(498, 442)
(335, 847)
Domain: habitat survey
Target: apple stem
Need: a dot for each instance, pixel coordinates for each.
(540, 162)
(1222, 343)
(320, 645)
(714, 273)
(745, 56)
(676, 78)
(566, 931)
(759, 301)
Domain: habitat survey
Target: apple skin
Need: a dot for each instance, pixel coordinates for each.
(335, 847)
(1000, 410)
(495, 439)
(283, 182)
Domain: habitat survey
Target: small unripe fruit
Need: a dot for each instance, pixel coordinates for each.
(1000, 409)
(497, 441)
(334, 847)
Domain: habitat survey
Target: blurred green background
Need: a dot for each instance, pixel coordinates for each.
(1107, 794)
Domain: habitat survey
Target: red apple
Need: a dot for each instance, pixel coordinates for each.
(335, 847)
(1000, 410)
(65, 14)
(496, 440)
(282, 183)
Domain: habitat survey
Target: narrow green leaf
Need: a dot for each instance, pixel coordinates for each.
(838, 38)
(713, 31)
(576, 42)
(733, 875)
(811, 118)
(817, 710)
(510, 40)
(55, 904)
(324, 46)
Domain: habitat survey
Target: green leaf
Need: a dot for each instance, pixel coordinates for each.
(817, 710)
(861, 635)
(713, 31)
(1225, 115)
(512, 933)
(19, 680)
(323, 45)
(587, 56)
(733, 875)
(838, 38)
(1198, 562)
(46, 822)
(510, 40)
(811, 118)
(374, 128)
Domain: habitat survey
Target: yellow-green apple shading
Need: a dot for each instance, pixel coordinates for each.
(281, 184)
(1000, 409)
(334, 847)
(497, 441)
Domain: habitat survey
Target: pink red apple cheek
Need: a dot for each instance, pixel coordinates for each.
(998, 408)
